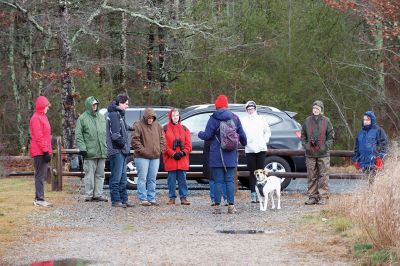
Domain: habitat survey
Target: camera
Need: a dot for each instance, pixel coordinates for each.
(177, 143)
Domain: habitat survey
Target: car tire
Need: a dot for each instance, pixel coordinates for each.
(130, 166)
(202, 181)
(278, 164)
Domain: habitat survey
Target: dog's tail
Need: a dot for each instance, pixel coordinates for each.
(282, 179)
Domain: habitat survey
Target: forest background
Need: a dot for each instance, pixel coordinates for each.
(282, 53)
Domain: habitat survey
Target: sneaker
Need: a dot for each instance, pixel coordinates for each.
(171, 202)
(232, 209)
(253, 197)
(118, 204)
(153, 203)
(42, 203)
(311, 201)
(212, 204)
(145, 203)
(216, 209)
(88, 199)
(184, 201)
(225, 203)
(323, 201)
(128, 204)
(100, 198)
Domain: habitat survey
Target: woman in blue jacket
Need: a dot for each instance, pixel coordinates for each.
(370, 146)
(222, 162)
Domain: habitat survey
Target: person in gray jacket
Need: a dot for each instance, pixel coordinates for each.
(118, 148)
(90, 136)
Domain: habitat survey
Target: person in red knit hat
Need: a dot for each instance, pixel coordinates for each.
(221, 102)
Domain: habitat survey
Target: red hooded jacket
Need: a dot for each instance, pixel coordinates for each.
(176, 131)
(40, 130)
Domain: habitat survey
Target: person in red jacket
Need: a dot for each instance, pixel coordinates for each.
(176, 156)
(40, 148)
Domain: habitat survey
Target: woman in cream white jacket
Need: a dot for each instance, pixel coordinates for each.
(258, 133)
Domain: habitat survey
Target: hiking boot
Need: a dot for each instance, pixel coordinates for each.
(128, 204)
(153, 203)
(42, 203)
(171, 202)
(100, 198)
(88, 199)
(323, 201)
(184, 201)
(145, 203)
(232, 209)
(118, 205)
(311, 201)
(216, 209)
(253, 197)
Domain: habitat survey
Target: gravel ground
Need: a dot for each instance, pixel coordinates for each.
(177, 235)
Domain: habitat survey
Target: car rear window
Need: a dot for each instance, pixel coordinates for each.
(271, 119)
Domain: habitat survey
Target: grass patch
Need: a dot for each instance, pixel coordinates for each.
(360, 249)
(340, 224)
(16, 197)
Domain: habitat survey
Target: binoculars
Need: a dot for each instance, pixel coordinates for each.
(177, 143)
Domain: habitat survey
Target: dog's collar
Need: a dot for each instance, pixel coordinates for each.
(261, 183)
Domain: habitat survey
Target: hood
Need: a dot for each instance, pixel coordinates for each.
(170, 116)
(41, 103)
(223, 114)
(371, 115)
(148, 113)
(89, 102)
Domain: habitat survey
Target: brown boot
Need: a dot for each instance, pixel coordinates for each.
(216, 209)
(171, 202)
(311, 201)
(323, 201)
(232, 209)
(184, 201)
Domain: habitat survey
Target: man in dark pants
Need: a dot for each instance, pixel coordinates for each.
(317, 138)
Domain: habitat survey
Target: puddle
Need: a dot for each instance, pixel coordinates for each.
(64, 262)
(251, 232)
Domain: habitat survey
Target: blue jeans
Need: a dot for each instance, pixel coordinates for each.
(222, 179)
(147, 172)
(118, 178)
(182, 186)
(212, 184)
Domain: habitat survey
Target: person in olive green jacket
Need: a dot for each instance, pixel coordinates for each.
(91, 140)
(317, 138)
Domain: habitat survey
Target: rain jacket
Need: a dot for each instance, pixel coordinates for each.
(176, 132)
(117, 137)
(40, 129)
(212, 130)
(257, 132)
(371, 142)
(148, 140)
(317, 136)
(91, 131)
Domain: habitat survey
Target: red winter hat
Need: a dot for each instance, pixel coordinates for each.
(221, 102)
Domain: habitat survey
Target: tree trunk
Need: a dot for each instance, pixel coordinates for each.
(66, 79)
(149, 60)
(123, 53)
(15, 89)
(27, 54)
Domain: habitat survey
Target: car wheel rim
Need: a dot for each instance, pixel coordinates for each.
(275, 167)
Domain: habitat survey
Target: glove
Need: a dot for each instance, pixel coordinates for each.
(177, 156)
(357, 165)
(182, 153)
(379, 163)
(83, 153)
(46, 157)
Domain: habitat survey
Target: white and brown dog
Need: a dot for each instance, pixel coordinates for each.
(267, 185)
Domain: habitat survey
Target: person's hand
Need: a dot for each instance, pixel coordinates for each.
(357, 165)
(379, 163)
(46, 157)
(83, 153)
(183, 154)
(177, 156)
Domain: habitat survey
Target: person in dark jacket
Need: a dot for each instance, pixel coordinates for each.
(178, 145)
(222, 162)
(40, 148)
(317, 138)
(149, 143)
(370, 147)
(118, 149)
(90, 137)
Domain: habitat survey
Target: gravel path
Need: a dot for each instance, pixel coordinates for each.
(176, 235)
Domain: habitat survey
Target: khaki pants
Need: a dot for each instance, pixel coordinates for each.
(94, 177)
(318, 177)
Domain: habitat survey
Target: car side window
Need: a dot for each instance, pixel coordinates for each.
(271, 119)
(197, 122)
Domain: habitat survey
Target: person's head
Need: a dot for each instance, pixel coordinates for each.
(91, 104)
(251, 107)
(318, 108)
(95, 106)
(149, 115)
(366, 120)
(42, 104)
(175, 116)
(369, 119)
(221, 102)
(122, 101)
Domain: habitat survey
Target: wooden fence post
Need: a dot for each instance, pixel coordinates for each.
(56, 182)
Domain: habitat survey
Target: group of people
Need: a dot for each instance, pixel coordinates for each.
(98, 137)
